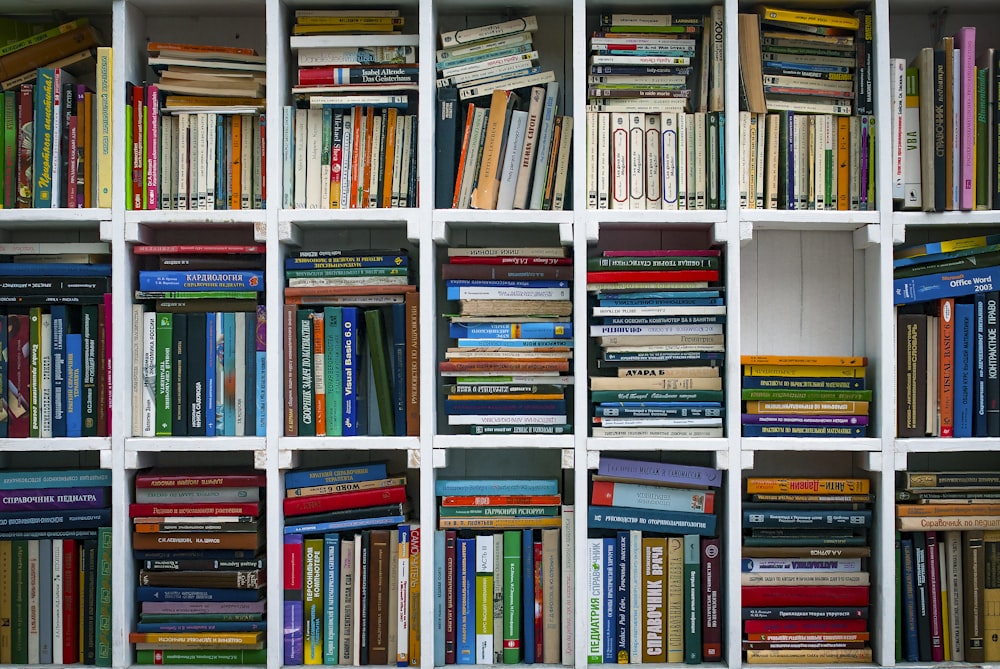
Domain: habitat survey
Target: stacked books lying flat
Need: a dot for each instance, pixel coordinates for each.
(806, 127)
(513, 339)
(55, 338)
(804, 396)
(28, 45)
(350, 143)
(658, 328)
(199, 346)
(946, 319)
(198, 535)
(654, 114)
(948, 559)
(507, 593)
(650, 520)
(511, 152)
(352, 567)
(805, 584)
(351, 320)
(55, 556)
(196, 137)
(941, 105)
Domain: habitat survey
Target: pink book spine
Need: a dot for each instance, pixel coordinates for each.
(153, 147)
(965, 40)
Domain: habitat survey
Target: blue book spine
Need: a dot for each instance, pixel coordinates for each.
(304, 478)
(222, 626)
(398, 348)
(621, 611)
(510, 330)
(3, 375)
(805, 518)
(145, 593)
(210, 356)
(465, 603)
(512, 407)
(911, 652)
(650, 520)
(331, 598)
(945, 284)
(444, 487)
(609, 589)
(220, 373)
(664, 302)
(516, 343)
(293, 635)
(198, 280)
(439, 597)
(964, 368)
(805, 430)
(53, 269)
(250, 375)
(260, 389)
(528, 595)
(57, 520)
(59, 324)
(657, 294)
(948, 255)
(342, 525)
(347, 262)
(801, 383)
(75, 478)
(74, 399)
(229, 371)
(351, 367)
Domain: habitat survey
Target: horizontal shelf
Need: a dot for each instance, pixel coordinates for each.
(187, 217)
(620, 444)
(61, 217)
(292, 444)
(501, 217)
(56, 444)
(819, 444)
(782, 219)
(292, 222)
(904, 447)
(466, 441)
(188, 444)
(593, 219)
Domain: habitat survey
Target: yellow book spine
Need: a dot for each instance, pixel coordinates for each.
(945, 613)
(414, 615)
(387, 159)
(237, 144)
(104, 126)
(844, 21)
(805, 360)
(805, 370)
(809, 486)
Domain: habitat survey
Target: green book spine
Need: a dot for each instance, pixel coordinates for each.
(34, 372)
(692, 600)
(312, 617)
(304, 346)
(512, 597)
(379, 350)
(9, 149)
(201, 656)
(19, 608)
(164, 374)
(103, 633)
(3, 151)
(334, 372)
(128, 143)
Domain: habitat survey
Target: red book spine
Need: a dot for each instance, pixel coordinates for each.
(71, 164)
(805, 595)
(507, 260)
(657, 275)
(137, 132)
(502, 500)
(946, 366)
(297, 506)
(805, 626)
(175, 249)
(25, 120)
(164, 479)
(17, 370)
(934, 601)
(194, 509)
(711, 579)
(450, 633)
(71, 604)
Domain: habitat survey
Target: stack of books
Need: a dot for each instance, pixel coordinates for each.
(508, 594)
(805, 585)
(655, 568)
(55, 555)
(349, 557)
(947, 381)
(806, 127)
(198, 535)
(655, 126)
(659, 319)
(513, 334)
(55, 339)
(350, 142)
(350, 315)
(947, 552)
(512, 151)
(199, 346)
(804, 396)
(196, 137)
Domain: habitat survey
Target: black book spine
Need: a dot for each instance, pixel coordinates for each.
(179, 345)
(979, 406)
(864, 95)
(994, 148)
(411, 191)
(365, 590)
(445, 140)
(195, 375)
(940, 148)
(992, 364)
(923, 596)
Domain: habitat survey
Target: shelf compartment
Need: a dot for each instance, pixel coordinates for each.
(293, 223)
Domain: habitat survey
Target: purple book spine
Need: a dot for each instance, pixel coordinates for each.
(49, 499)
(659, 471)
(758, 419)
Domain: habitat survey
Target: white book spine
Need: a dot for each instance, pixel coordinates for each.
(34, 605)
(802, 164)
(211, 144)
(772, 122)
(45, 385)
(484, 89)
(314, 145)
(603, 160)
(568, 590)
(636, 164)
(484, 606)
(205, 165)
(498, 598)
(562, 164)
(512, 160)
(287, 162)
(375, 174)
(592, 160)
(716, 76)
(324, 176)
(758, 160)
(545, 133)
(956, 123)
(700, 160)
(745, 162)
(246, 161)
(57, 602)
(455, 38)
(166, 159)
(536, 102)
(347, 622)
(668, 155)
(346, 156)
(183, 158)
(619, 160)
(403, 598)
(912, 186)
(442, 55)
(406, 158)
(817, 132)
(301, 177)
(196, 151)
(257, 164)
(148, 373)
(397, 160)
(138, 368)
(469, 174)
(682, 161)
(356, 614)
(240, 367)
(635, 596)
(471, 68)
(654, 162)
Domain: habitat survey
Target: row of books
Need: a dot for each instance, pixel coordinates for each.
(659, 320)
(815, 532)
(946, 563)
(352, 568)
(509, 367)
(654, 598)
(805, 396)
(946, 318)
(55, 562)
(201, 586)
(791, 160)
(943, 110)
(349, 155)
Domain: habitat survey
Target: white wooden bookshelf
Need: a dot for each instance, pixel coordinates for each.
(797, 283)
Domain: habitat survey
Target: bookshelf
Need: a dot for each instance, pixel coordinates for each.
(797, 283)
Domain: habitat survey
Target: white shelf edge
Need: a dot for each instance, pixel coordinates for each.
(292, 444)
(619, 444)
(14, 217)
(185, 217)
(83, 444)
(471, 442)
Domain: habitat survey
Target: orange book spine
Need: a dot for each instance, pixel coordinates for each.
(237, 143)
(371, 142)
(819, 360)
(319, 379)
(463, 154)
(843, 163)
(946, 367)
(390, 151)
(199, 48)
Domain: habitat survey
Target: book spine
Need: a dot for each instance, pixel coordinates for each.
(654, 561)
(293, 635)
